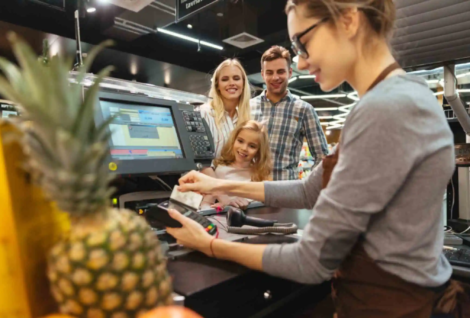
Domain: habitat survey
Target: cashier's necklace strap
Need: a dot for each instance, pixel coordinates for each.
(392, 67)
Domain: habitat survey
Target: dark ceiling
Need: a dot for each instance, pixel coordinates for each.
(428, 33)
(264, 18)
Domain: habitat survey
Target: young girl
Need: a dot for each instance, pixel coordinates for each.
(245, 157)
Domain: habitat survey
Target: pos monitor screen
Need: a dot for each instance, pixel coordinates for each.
(148, 135)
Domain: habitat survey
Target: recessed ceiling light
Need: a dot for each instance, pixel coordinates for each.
(323, 96)
(293, 79)
(91, 10)
(320, 109)
(220, 14)
(190, 26)
(191, 39)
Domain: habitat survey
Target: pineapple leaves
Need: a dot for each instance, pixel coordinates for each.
(66, 152)
(12, 72)
(34, 75)
(9, 91)
(81, 128)
(102, 134)
(89, 60)
(93, 53)
(42, 149)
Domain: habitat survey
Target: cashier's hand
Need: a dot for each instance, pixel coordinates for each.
(191, 235)
(198, 182)
(235, 202)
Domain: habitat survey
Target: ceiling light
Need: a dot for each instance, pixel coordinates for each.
(167, 78)
(337, 122)
(296, 59)
(324, 96)
(293, 79)
(190, 26)
(459, 91)
(324, 124)
(134, 68)
(353, 96)
(325, 117)
(91, 9)
(325, 109)
(346, 108)
(181, 36)
(188, 38)
(341, 116)
(463, 75)
(334, 127)
(218, 47)
(425, 71)
(220, 14)
(463, 64)
(306, 76)
(328, 132)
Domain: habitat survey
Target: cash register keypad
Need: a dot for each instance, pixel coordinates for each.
(200, 145)
(193, 121)
(197, 134)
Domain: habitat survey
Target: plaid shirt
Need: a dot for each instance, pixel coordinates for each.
(289, 121)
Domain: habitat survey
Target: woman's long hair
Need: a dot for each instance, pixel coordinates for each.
(261, 167)
(217, 102)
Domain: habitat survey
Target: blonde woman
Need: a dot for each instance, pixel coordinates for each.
(230, 93)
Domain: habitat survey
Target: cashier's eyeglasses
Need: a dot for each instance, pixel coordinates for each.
(299, 47)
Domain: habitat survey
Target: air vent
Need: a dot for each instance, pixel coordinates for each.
(133, 5)
(243, 40)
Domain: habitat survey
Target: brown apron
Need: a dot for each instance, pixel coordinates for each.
(361, 289)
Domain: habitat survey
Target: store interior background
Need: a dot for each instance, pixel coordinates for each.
(145, 54)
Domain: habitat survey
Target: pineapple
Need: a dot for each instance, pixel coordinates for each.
(110, 264)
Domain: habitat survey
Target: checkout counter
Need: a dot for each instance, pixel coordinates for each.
(216, 288)
(211, 287)
(183, 142)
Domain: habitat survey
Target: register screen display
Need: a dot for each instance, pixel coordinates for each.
(141, 132)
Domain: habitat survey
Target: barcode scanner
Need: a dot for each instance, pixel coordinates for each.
(237, 218)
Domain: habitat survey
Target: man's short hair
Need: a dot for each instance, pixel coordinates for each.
(274, 53)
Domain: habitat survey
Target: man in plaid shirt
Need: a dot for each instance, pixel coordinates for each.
(289, 120)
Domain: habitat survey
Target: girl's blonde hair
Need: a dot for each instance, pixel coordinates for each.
(217, 102)
(380, 14)
(262, 166)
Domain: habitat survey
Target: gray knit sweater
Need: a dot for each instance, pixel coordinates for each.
(395, 161)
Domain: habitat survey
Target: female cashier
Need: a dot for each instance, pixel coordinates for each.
(375, 229)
